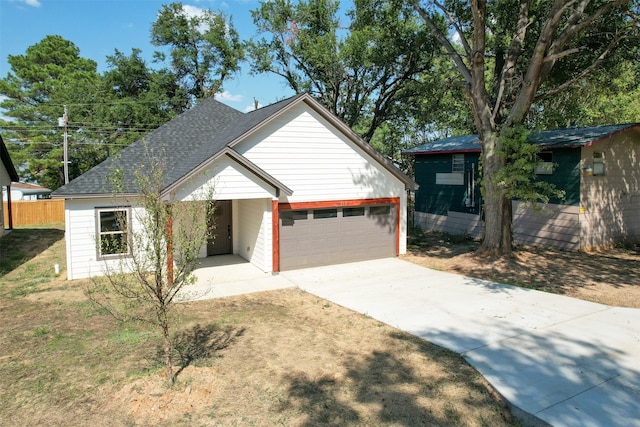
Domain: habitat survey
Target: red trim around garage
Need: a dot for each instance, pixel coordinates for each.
(275, 226)
(339, 203)
(277, 207)
(397, 226)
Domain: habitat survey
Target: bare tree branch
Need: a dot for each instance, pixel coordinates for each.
(559, 55)
(444, 41)
(455, 24)
(515, 48)
(578, 22)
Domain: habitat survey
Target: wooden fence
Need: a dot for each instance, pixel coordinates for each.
(31, 212)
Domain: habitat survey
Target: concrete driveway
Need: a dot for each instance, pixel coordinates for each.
(562, 361)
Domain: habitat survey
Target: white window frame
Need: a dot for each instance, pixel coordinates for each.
(100, 232)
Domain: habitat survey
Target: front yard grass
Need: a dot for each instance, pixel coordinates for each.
(273, 358)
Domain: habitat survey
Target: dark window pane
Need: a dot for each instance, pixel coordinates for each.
(287, 218)
(380, 210)
(353, 212)
(112, 221)
(545, 156)
(325, 213)
(299, 215)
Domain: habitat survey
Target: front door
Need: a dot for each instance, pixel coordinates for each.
(219, 242)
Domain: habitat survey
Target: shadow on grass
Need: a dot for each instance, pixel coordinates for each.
(200, 343)
(398, 390)
(23, 244)
(547, 269)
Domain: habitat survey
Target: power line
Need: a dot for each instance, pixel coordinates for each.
(84, 104)
(83, 125)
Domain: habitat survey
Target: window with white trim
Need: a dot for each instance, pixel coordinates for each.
(457, 163)
(112, 231)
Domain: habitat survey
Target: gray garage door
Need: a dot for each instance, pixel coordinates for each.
(315, 237)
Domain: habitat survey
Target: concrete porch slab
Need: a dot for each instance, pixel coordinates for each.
(228, 275)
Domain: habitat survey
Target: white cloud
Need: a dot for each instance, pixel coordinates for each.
(227, 96)
(192, 11)
(196, 12)
(34, 3)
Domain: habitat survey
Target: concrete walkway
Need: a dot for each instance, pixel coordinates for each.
(555, 359)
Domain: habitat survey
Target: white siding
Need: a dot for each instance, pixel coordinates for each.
(252, 232)
(80, 226)
(227, 180)
(305, 153)
(319, 163)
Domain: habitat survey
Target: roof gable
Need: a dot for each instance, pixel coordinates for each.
(191, 140)
(549, 139)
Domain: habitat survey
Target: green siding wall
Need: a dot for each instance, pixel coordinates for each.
(438, 199)
(566, 175)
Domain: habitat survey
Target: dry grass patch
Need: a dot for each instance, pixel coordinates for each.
(610, 276)
(301, 361)
(274, 358)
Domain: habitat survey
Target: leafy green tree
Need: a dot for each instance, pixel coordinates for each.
(136, 100)
(205, 48)
(512, 54)
(362, 72)
(609, 96)
(48, 76)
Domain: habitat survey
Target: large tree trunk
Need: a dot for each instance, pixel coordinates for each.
(497, 206)
(497, 238)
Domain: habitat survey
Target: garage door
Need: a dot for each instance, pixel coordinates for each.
(315, 237)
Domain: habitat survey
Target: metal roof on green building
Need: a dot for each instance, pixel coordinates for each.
(558, 138)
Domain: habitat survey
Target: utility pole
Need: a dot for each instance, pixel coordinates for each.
(62, 122)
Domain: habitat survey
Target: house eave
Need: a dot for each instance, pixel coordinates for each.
(92, 196)
(426, 153)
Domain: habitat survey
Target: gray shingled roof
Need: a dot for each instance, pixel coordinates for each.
(558, 138)
(469, 143)
(186, 141)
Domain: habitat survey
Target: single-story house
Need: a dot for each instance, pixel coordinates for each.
(597, 167)
(26, 191)
(294, 187)
(8, 175)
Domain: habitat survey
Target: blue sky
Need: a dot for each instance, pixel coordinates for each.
(98, 27)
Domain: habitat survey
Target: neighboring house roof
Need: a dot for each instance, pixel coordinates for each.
(192, 140)
(30, 189)
(8, 164)
(559, 138)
